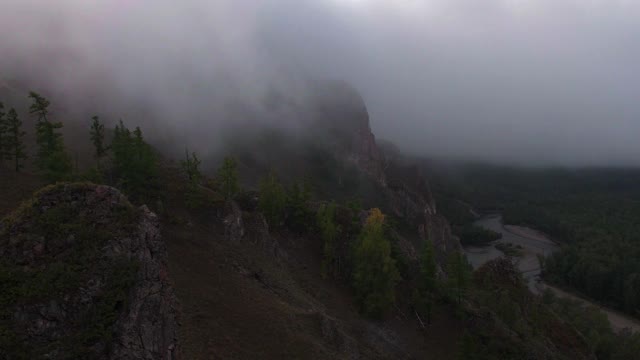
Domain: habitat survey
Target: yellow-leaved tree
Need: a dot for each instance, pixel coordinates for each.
(375, 274)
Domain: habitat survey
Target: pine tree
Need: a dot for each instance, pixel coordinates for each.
(97, 138)
(53, 161)
(329, 231)
(375, 274)
(273, 200)
(14, 143)
(40, 106)
(228, 178)
(135, 163)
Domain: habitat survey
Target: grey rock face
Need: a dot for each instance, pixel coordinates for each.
(149, 329)
(94, 278)
(233, 224)
(407, 191)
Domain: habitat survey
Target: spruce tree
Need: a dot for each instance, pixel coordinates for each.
(97, 138)
(135, 163)
(228, 178)
(52, 160)
(375, 274)
(14, 142)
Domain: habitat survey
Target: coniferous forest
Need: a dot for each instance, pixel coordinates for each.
(593, 213)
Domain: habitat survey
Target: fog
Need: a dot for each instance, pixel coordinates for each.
(511, 81)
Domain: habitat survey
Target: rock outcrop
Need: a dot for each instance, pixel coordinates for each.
(83, 275)
(407, 192)
(342, 111)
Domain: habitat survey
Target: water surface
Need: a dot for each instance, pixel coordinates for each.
(529, 265)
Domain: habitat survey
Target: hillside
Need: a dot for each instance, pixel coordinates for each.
(251, 281)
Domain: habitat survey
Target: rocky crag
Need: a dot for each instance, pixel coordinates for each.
(406, 190)
(84, 275)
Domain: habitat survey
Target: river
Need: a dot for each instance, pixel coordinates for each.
(533, 243)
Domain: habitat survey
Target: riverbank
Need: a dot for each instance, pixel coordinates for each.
(528, 233)
(618, 320)
(536, 243)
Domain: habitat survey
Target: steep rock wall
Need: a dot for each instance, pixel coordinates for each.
(84, 275)
(406, 189)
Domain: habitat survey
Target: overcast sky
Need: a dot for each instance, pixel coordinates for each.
(519, 81)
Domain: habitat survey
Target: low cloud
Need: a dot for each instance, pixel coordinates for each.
(517, 81)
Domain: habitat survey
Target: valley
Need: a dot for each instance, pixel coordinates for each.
(534, 244)
(319, 180)
(320, 244)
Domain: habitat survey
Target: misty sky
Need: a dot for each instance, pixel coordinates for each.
(519, 81)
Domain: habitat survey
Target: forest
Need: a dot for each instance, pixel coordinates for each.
(593, 213)
(123, 159)
(359, 247)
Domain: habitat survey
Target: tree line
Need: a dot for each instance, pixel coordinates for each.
(12, 146)
(369, 262)
(124, 159)
(374, 266)
(127, 161)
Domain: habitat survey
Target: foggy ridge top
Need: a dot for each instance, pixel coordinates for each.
(513, 81)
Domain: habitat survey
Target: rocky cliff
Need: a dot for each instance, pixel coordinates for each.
(406, 190)
(83, 276)
(343, 113)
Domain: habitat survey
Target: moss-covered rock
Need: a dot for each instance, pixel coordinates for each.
(83, 275)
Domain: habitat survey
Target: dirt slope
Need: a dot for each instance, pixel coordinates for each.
(261, 296)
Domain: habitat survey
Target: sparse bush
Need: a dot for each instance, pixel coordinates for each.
(52, 160)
